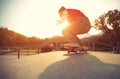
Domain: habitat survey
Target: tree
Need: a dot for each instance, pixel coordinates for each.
(34, 42)
(109, 24)
(10, 38)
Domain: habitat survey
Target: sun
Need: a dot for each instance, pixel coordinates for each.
(63, 25)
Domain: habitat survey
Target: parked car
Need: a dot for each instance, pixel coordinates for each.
(47, 47)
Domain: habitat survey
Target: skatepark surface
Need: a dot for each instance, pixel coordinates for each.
(60, 65)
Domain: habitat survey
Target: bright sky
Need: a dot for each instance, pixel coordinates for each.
(38, 17)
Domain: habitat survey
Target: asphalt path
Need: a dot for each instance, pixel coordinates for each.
(60, 65)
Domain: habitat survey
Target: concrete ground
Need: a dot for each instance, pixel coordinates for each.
(60, 65)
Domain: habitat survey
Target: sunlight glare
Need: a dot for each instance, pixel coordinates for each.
(63, 25)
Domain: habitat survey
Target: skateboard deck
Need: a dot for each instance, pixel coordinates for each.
(75, 49)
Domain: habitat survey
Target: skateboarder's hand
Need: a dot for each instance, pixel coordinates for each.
(59, 22)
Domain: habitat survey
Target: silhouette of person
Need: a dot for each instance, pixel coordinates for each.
(82, 67)
(78, 23)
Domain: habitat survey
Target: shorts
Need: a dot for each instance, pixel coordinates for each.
(80, 26)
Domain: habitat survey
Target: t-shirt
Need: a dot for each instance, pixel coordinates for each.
(73, 14)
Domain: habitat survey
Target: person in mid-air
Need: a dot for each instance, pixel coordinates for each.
(78, 23)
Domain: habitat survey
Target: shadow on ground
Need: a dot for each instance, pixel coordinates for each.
(81, 67)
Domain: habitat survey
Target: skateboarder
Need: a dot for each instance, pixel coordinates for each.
(78, 23)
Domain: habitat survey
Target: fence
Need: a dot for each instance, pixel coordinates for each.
(113, 49)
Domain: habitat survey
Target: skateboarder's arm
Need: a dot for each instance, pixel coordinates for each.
(60, 21)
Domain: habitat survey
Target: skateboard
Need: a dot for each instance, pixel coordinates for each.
(75, 49)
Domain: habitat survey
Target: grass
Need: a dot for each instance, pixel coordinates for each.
(25, 52)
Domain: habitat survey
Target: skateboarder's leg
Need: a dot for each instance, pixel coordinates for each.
(79, 26)
(71, 37)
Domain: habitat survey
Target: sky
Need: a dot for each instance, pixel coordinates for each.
(38, 17)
